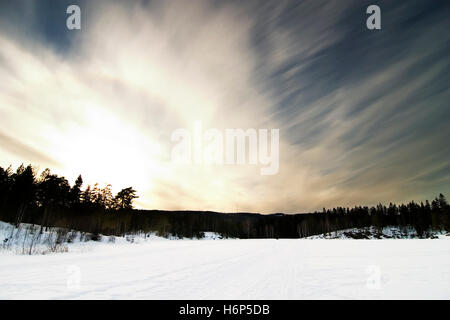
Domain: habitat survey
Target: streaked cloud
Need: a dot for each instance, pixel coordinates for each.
(363, 116)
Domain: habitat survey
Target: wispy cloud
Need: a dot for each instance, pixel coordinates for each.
(363, 116)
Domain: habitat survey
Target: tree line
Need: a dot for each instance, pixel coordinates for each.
(49, 200)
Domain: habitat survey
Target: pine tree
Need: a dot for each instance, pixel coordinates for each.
(75, 192)
(442, 201)
(124, 198)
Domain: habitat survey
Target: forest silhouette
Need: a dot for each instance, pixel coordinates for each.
(49, 200)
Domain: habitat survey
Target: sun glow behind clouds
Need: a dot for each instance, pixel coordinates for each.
(107, 147)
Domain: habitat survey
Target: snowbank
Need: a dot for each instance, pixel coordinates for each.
(32, 239)
(390, 232)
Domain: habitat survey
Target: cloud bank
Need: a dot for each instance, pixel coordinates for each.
(363, 116)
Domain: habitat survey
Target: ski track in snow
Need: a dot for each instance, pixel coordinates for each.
(235, 269)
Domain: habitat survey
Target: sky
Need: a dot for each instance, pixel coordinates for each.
(363, 115)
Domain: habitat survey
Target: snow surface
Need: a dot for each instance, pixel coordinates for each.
(150, 268)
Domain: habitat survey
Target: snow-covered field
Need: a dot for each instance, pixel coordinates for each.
(233, 269)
